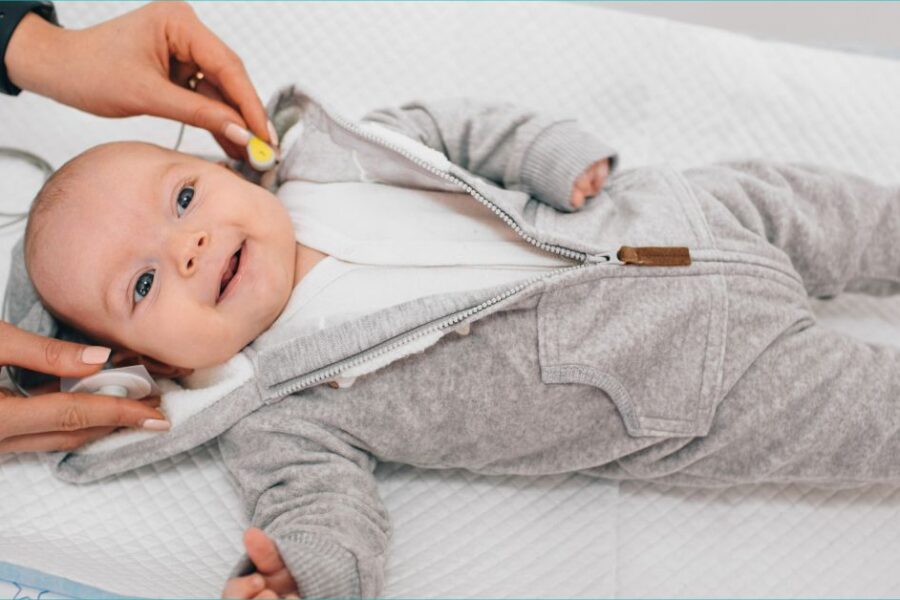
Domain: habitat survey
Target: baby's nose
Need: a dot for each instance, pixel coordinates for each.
(194, 246)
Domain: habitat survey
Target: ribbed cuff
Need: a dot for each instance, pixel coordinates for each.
(555, 160)
(321, 568)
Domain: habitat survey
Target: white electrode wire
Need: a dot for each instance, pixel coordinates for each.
(180, 137)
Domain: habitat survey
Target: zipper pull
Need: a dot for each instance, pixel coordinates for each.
(655, 256)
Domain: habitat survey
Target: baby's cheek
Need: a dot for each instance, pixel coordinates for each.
(169, 336)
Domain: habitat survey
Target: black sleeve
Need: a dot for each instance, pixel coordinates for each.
(11, 14)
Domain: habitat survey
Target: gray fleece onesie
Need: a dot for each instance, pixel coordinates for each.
(708, 373)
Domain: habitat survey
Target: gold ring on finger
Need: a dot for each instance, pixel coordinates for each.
(195, 79)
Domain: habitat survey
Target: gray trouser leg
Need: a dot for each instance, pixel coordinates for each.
(840, 231)
(814, 405)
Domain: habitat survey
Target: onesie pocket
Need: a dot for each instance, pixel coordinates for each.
(653, 344)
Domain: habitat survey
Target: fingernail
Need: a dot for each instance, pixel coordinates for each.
(237, 134)
(257, 581)
(155, 425)
(273, 135)
(95, 355)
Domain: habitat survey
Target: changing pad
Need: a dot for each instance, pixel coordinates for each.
(658, 92)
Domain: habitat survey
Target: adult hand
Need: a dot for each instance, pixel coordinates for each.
(62, 421)
(139, 63)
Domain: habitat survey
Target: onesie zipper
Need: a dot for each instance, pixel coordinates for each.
(326, 373)
(626, 255)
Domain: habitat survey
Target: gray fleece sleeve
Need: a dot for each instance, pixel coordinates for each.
(510, 145)
(314, 494)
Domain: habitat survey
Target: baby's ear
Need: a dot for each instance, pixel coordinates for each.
(128, 358)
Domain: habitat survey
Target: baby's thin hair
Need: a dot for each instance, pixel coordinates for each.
(55, 194)
(52, 195)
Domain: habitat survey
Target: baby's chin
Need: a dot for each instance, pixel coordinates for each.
(193, 356)
(202, 354)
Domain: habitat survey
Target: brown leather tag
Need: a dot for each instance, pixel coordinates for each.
(655, 256)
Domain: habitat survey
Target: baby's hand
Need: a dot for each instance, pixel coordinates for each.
(271, 579)
(590, 182)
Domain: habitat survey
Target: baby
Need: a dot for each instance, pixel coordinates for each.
(660, 330)
(193, 263)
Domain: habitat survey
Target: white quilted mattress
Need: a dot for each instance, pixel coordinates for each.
(659, 92)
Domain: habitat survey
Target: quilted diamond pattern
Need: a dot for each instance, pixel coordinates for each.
(659, 92)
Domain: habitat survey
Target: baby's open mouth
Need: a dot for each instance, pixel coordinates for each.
(230, 270)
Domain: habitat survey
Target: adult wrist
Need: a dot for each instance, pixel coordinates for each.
(27, 39)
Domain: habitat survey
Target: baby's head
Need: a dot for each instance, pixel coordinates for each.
(132, 244)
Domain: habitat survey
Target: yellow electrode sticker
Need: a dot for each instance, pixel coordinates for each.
(261, 155)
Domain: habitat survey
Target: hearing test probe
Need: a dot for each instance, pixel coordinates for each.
(260, 154)
(125, 382)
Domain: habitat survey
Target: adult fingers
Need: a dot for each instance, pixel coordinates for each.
(53, 441)
(244, 587)
(151, 401)
(232, 147)
(51, 387)
(190, 41)
(180, 74)
(47, 355)
(71, 412)
(181, 104)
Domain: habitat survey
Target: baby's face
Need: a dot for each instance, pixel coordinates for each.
(167, 255)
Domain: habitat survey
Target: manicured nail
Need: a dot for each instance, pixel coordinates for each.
(155, 425)
(94, 355)
(273, 135)
(237, 134)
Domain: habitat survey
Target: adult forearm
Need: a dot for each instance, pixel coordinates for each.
(33, 53)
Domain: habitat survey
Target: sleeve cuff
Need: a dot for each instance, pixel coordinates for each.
(321, 568)
(555, 160)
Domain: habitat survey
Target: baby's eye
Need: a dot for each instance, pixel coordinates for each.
(143, 285)
(184, 199)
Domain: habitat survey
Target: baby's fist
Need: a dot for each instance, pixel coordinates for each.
(590, 182)
(271, 579)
